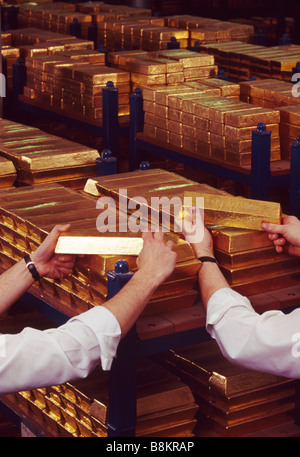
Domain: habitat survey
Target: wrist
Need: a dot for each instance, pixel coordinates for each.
(36, 263)
(31, 268)
(201, 251)
(149, 279)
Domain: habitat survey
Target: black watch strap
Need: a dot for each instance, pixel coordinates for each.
(208, 259)
(31, 267)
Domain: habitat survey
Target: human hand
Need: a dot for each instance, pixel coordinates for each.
(286, 237)
(157, 259)
(195, 233)
(49, 264)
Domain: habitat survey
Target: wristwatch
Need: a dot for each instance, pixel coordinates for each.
(208, 259)
(31, 267)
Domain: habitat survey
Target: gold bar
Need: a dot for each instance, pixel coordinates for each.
(99, 245)
(244, 258)
(236, 211)
(233, 240)
(247, 118)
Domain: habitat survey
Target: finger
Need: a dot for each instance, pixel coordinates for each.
(55, 233)
(280, 242)
(64, 271)
(159, 236)
(273, 228)
(279, 249)
(170, 244)
(147, 236)
(273, 236)
(68, 265)
(65, 258)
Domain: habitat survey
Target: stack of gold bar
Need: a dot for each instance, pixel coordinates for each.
(241, 60)
(10, 54)
(41, 157)
(29, 213)
(200, 121)
(72, 81)
(247, 258)
(233, 401)
(8, 173)
(149, 71)
(141, 33)
(195, 66)
(209, 30)
(155, 37)
(276, 94)
(269, 93)
(58, 16)
(40, 15)
(165, 405)
(227, 88)
(56, 42)
(289, 128)
(55, 17)
(146, 70)
(119, 59)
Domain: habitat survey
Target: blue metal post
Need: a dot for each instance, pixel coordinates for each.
(75, 28)
(12, 17)
(122, 376)
(285, 40)
(221, 75)
(19, 77)
(93, 33)
(173, 43)
(101, 48)
(110, 98)
(260, 38)
(260, 163)
(294, 202)
(144, 165)
(136, 124)
(106, 164)
(196, 46)
(19, 81)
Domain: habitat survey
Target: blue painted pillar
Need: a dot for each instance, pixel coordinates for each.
(75, 28)
(122, 376)
(136, 124)
(294, 201)
(260, 163)
(110, 107)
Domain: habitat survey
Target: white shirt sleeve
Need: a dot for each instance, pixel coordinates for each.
(269, 342)
(35, 358)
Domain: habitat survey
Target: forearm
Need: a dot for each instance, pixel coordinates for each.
(132, 299)
(13, 284)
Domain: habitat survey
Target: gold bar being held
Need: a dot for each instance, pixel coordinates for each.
(99, 245)
(234, 211)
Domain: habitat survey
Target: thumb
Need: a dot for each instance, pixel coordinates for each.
(273, 228)
(55, 233)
